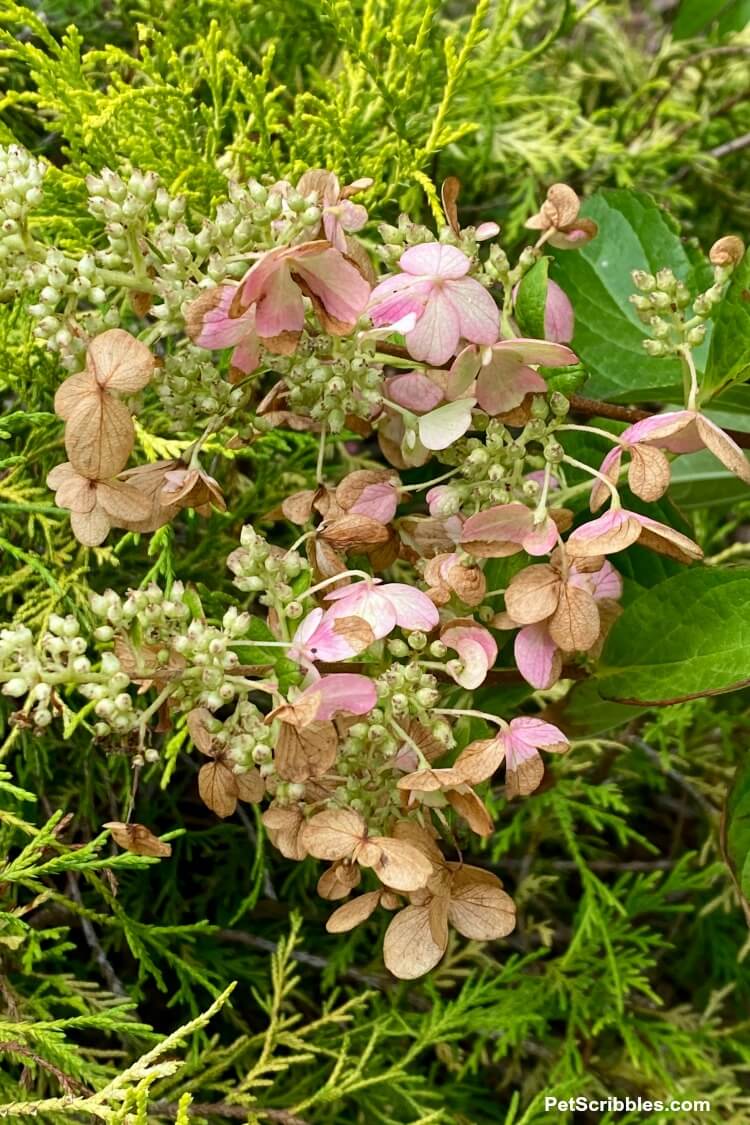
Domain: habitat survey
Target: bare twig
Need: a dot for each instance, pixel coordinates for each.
(113, 982)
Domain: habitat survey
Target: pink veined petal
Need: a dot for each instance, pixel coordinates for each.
(280, 308)
(475, 665)
(337, 283)
(537, 656)
(459, 635)
(412, 607)
(434, 259)
(559, 318)
(517, 752)
(499, 390)
(398, 297)
(485, 231)
(414, 391)
(256, 279)
(478, 315)
(611, 523)
(441, 427)
(542, 538)
(328, 645)
(433, 498)
(246, 356)
(306, 628)
(502, 522)
(352, 216)
(604, 583)
(220, 330)
(378, 501)
(353, 587)
(434, 338)
(535, 732)
(366, 602)
(674, 431)
(334, 231)
(343, 691)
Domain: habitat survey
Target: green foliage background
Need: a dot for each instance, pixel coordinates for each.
(627, 972)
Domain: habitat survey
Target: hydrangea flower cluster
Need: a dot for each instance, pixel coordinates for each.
(334, 690)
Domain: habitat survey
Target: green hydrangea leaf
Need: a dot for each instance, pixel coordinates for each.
(531, 300)
(684, 638)
(634, 233)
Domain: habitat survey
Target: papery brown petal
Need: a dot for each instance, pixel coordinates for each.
(430, 781)
(250, 786)
(99, 437)
(74, 492)
(355, 630)
(338, 880)
(574, 626)
(449, 196)
(359, 258)
(217, 788)
(469, 584)
(479, 760)
(524, 778)
(438, 908)
(298, 507)
(479, 908)
(197, 310)
(138, 839)
(353, 532)
(671, 543)
(299, 714)
(119, 361)
(723, 448)
(334, 833)
(196, 724)
(409, 949)
(420, 838)
(648, 472)
(400, 865)
(428, 536)
(383, 555)
(305, 752)
(80, 389)
(90, 528)
(352, 913)
(533, 594)
(561, 205)
(727, 251)
(324, 560)
(122, 501)
(283, 344)
(471, 808)
(284, 827)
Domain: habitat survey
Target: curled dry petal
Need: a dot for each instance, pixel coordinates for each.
(352, 913)
(138, 839)
(285, 827)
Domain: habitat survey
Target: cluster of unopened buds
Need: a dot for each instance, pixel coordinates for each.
(357, 746)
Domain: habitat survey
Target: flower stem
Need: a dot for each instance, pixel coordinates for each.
(614, 494)
(471, 715)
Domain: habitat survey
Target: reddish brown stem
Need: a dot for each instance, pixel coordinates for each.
(591, 407)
